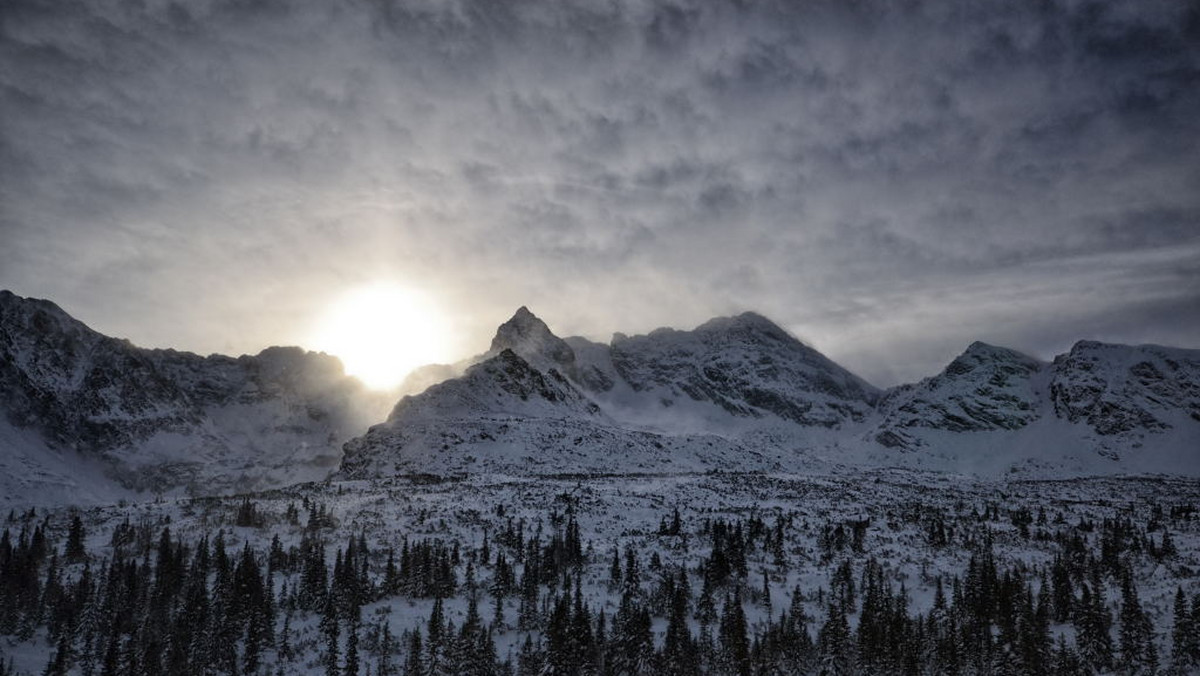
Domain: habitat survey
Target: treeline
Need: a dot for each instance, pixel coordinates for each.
(152, 603)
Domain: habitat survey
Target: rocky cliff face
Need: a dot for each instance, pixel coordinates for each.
(986, 388)
(1117, 389)
(161, 419)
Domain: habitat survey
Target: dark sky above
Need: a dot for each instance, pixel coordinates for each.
(887, 180)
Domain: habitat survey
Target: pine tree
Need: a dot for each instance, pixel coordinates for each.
(330, 630)
(1136, 631)
(285, 637)
(383, 666)
(614, 571)
(1093, 620)
(414, 665)
(833, 643)
(733, 643)
(678, 656)
(580, 637)
(351, 666)
(560, 659)
(75, 550)
(530, 662)
(632, 643)
(1183, 635)
(435, 633)
(1066, 661)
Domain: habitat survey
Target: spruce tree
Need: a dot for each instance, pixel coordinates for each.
(1136, 632)
(414, 665)
(834, 647)
(1092, 621)
(75, 550)
(1184, 637)
(733, 642)
(383, 666)
(351, 666)
(329, 631)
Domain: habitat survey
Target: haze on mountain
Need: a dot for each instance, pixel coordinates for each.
(96, 418)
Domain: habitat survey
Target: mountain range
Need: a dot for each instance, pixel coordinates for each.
(85, 414)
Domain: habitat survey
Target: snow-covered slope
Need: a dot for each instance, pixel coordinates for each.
(1099, 409)
(504, 416)
(747, 366)
(713, 398)
(986, 388)
(1118, 389)
(740, 392)
(736, 393)
(161, 419)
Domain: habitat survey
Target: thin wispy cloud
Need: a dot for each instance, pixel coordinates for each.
(887, 180)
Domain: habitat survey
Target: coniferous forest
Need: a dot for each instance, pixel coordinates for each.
(733, 575)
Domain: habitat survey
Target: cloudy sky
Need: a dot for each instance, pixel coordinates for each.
(887, 180)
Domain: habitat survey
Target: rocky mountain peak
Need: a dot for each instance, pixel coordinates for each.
(1000, 361)
(529, 337)
(1119, 389)
(986, 388)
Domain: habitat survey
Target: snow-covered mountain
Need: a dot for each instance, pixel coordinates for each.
(986, 388)
(86, 413)
(740, 392)
(1117, 389)
(727, 395)
(747, 366)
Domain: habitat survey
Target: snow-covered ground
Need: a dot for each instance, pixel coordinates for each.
(895, 513)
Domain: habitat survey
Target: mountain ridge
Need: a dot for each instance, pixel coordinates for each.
(162, 420)
(778, 404)
(735, 393)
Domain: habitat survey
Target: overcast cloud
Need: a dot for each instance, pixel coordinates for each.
(887, 180)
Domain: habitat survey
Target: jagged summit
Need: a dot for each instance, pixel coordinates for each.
(502, 384)
(529, 337)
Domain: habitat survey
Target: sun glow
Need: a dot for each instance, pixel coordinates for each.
(382, 332)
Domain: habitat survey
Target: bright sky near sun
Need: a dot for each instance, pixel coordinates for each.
(382, 332)
(890, 181)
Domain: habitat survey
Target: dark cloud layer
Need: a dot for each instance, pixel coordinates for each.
(888, 180)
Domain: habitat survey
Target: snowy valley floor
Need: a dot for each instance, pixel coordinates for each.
(712, 573)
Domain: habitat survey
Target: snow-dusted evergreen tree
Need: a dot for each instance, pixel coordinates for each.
(1185, 636)
(1093, 640)
(1137, 634)
(835, 647)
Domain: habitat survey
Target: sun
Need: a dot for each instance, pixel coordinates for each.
(382, 332)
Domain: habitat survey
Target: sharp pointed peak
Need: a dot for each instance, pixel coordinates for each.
(524, 321)
(528, 336)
